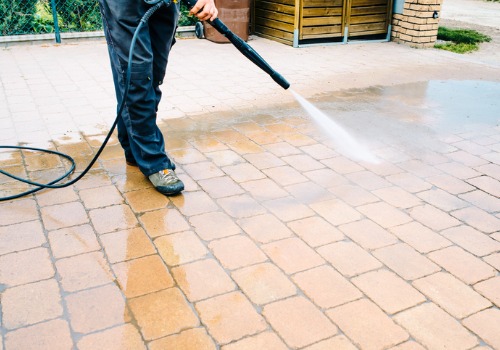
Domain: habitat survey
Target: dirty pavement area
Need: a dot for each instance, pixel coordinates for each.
(279, 240)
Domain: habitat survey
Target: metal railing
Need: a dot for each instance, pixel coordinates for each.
(22, 17)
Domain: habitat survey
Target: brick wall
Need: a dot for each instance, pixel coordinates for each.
(416, 26)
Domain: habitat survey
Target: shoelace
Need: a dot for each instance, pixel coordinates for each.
(168, 175)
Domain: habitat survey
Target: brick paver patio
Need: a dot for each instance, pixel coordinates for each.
(279, 241)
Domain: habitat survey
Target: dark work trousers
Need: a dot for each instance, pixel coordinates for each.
(138, 132)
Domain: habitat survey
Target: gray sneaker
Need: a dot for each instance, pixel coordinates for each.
(166, 182)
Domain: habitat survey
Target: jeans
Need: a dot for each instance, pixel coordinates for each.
(138, 132)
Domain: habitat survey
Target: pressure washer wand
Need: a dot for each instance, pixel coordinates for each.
(245, 49)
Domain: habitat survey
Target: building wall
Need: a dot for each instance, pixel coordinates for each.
(416, 26)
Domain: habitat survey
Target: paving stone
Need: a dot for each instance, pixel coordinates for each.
(265, 228)
(125, 337)
(63, 215)
(353, 195)
(236, 251)
(459, 171)
(339, 342)
(326, 178)
(31, 303)
(164, 221)
(433, 217)
(397, 197)
(224, 157)
(142, 276)
(265, 189)
(367, 325)
(316, 231)
(292, 255)
(368, 180)
(342, 165)
(284, 175)
(368, 234)
(113, 218)
(146, 199)
(264, 160)
(467, 159)
(420, 237)
(349, 258)
(51, 335)
(241, 206)
(282, 149)
(319, 151)
(287, 318)
(309, 192)
(409, 182)
(162, 313)
(222, 186)
(194, 203)
(453, 182)
(336, 212)
(419, 168)
(125, 245)
(493, 260)
(487, 184)
(409, 345)
(463, 265)
(83, 271)
(202, 279)
(25, 267)
(490, 289)
(62, 195)
(195, 338)
(435, 329)
(478, 219)
(451, 294)
(288, 209)
(224, 324)
(180, 248)
(96, 309)
(471, 240)
(405, 261)
(214, 225)
(262, 341)
(388, 291)
(18, 211)
(482, 200)
(100, 197)
(485, 324)
(442, 200)
(326, 287)
(384, 214)
(21, 236)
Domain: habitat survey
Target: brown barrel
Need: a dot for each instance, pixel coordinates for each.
(235, 14)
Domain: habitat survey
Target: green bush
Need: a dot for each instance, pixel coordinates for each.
(460, 40)
(184, 18)
(79, 15)
(17, 16)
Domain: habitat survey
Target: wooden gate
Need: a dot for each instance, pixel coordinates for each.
(305, 21)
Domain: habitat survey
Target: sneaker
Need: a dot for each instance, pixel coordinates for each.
(166, 182)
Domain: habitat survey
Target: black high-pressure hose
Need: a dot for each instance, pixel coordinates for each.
(241, 45)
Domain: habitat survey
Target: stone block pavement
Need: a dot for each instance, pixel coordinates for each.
(279, 241)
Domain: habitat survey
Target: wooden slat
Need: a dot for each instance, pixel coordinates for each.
(322, 3)
(369, 10)
(265, 22)
(367, 19)
(274, 32)
(284, 2)
(322, 12)
(275, 16)
(372, 27)
(269, 6)
(358, 3)
(322, 30)
(321, 21)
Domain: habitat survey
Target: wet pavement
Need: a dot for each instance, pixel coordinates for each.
(279, 240)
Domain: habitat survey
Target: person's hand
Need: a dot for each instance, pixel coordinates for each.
(205, 10)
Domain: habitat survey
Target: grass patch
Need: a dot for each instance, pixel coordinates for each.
(460, 40)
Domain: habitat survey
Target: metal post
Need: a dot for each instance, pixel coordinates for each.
(56, 25)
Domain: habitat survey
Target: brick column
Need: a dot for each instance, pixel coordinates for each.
(416, 25)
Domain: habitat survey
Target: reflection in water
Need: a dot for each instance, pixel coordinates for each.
(415, 116)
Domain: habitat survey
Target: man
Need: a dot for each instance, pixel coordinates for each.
(138, 132)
